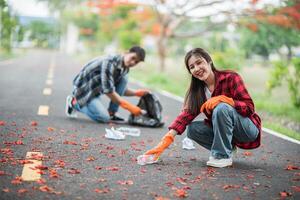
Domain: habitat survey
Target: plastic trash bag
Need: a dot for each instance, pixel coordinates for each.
(146, 159)
(114, 134)
(135, 132)
(188, 144)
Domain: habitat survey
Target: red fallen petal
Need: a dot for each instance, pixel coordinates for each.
(129, 182)
(6, 190)
(98, 167)
(33, 123)
(91, 158)
(105, 190)
(19, 142)
(113, 168)
(73, 171)
(2, 123)
(60, 163)
(21, 191)
(101, 180)
(169, 184)
(247, 153)
(70, 142)
(296, 188)
(2, 173)
(291, 167)
(23, 162)
(41, 167)
(180, 193)
(41, 181)
(50, 129)
(45, 188)
(285, 194)
(53, 173)
(17, 180)
(186, 188)
(225, 187)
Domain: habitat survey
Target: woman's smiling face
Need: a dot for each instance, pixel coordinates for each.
(199, 67)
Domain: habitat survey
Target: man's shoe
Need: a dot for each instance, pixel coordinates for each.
(70, 111)
(224, 162)
(116, 118)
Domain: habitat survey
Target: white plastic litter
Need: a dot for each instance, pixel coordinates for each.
(146, 159)
(114, 134)
(187, 144)
(135, 132)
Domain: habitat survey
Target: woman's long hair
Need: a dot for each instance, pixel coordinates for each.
(195, 95)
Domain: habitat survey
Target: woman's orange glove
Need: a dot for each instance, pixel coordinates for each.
(164, 143)
(141, 92)
(211, 103)
(130, 107)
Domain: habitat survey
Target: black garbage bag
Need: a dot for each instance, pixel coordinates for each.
(153, 117)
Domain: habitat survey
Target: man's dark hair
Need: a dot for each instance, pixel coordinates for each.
(139, 51)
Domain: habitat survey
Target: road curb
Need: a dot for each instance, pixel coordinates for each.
(180, 99)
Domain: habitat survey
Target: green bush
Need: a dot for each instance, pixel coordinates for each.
(282, 72)
(129, 38)
(229, 59)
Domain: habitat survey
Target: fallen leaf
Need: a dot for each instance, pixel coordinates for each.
(50, 129)
(2, 173)
(60, 163)
(5, 190)
(226, 187)
(23, 162)
(285, 194)
(296, 188)
(41, 181)
(247, 153)
(33, 123)
(113, 168)
(291, 167)
(180, 193)
(73, 171)
(41, 167)
(53, 173)
(45, 188)
(2, 123)
(105, 190)
(161, 198)
(70, 142)
(21, 191)
(129, 182)
(98, 167)
(90, 158)
(17, 180)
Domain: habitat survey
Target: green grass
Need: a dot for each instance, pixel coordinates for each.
(281, 129)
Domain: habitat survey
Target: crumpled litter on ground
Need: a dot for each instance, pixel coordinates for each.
(187, 144)
(135, 132)
(114, 134)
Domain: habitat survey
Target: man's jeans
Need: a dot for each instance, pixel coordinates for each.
(95, 108)
(227, 124)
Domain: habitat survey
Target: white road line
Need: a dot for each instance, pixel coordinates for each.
(49, 82)
(29, 172)
(180, 99)
(43, 110)
(47, 91)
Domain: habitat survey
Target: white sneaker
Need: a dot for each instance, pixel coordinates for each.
(224, 162)
(70, 111)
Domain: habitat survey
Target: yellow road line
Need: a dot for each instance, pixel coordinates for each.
(47, 91)
(43, 110)
(29, 172)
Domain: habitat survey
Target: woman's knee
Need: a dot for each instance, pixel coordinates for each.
(222, 109)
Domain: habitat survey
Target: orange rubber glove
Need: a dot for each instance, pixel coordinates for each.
(164, 143)
(130, 107)
(211, 103)
(141, 92)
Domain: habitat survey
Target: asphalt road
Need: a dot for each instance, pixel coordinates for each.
(80, 163)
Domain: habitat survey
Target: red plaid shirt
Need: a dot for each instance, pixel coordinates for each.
(230, 84)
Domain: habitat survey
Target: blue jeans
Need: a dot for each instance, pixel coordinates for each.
(95, 108)
(226, 125)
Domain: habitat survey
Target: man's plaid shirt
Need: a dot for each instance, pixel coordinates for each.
(97, 77)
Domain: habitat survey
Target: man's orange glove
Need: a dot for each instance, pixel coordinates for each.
(130, 107)
(141, 92)
(164, 143)
(211, 103)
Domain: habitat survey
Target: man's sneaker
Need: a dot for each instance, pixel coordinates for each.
(224, 162)
(116, 118)
(70, 111)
